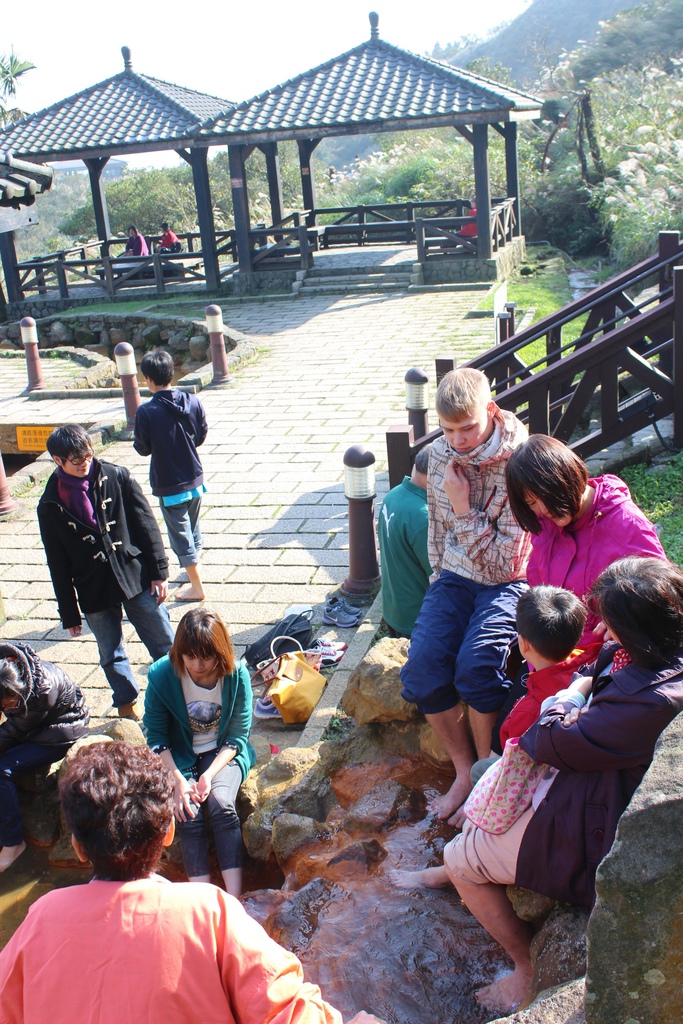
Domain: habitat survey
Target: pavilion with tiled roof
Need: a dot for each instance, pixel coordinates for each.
(128, 113)
(375, 87)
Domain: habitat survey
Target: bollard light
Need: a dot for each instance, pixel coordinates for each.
(128, 372)
(417, 400)
(359, 473)
(359, 487)
(34, 371)
(219, 358)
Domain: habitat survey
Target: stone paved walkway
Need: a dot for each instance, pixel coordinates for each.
(275, 519)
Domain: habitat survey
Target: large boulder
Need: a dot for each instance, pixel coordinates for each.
(562, 1005)
(635, 968)
(558, 950)
(371, 744)
(384, 805)
(290, 831)
(373, 693)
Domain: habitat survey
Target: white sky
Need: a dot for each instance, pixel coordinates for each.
(227, 49)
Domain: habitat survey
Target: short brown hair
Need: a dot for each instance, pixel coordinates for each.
(117, 799)
(461, 392)
(547, 469)
(202, 633)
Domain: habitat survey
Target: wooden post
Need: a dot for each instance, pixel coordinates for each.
(482, 189)
(159, 275)
(61, 278)
(240, 203)
(420, 239)
(8, 255)
(512, 172)
(202, 192)
(269, 150)
(108, 276)
(444, 365)
(95, 167)
(399, 440)
(306, 147)
(678, 356)
(306, 261)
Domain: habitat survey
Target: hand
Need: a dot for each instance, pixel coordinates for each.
(185, 799)
(159, 588)
(602, 630)
(572, 716)
(203, 786)
(75, 630)
(457, 488)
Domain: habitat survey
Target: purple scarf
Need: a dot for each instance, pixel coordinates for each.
(73, 492)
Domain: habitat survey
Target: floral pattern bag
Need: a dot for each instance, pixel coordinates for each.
(505, 790)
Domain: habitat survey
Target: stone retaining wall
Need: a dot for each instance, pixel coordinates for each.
(498, 268)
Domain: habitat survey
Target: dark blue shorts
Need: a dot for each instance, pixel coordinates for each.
(460, 645)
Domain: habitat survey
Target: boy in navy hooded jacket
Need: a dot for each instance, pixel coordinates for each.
(170, 428)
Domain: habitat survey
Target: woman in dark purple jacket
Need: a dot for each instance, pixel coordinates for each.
(596, 756)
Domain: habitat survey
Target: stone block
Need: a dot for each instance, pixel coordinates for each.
(384, 806)
(151, 335)
(374, 690)
(290, 831)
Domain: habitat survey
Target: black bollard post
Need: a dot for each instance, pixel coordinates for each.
(359, 488)
(417, 401)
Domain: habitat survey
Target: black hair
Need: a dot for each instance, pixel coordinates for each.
(10, 682)
(118, 803)
(72, 439)
(164, 225)
(551, 620)
(641, 601)
(422, 460)
(543, 467)
(158, 366)
(131, 227)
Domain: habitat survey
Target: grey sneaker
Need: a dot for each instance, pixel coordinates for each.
(339, 613)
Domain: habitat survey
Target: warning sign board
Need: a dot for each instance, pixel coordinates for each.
(32, 439)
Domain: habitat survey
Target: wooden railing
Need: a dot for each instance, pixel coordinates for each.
(593, 373)
(380, 222)
(441, 238)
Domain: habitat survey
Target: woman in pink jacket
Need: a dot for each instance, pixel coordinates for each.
(131, 946)
(580, 525)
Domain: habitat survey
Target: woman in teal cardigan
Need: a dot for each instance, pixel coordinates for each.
(197, 717)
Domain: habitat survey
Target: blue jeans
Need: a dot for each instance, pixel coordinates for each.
(24, 757)
(152, 625)
(184, 535)
(218, 810)
(459, 647)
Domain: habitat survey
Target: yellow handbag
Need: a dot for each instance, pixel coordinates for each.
(296, 688)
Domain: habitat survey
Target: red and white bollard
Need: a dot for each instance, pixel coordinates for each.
(128, 372)
(219, 357)
(29, 337)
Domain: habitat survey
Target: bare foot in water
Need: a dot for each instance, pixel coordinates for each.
(8, 855)
(506, 994)
(189, 593)
(432, 878)
(458, 819)
(446, 805)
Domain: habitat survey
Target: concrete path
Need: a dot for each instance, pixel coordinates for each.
(275, 518)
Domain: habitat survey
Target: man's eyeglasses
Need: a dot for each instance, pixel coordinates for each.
(79, 460)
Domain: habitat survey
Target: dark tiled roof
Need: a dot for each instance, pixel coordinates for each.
(21, 182)
(123, 112)
(373, 83)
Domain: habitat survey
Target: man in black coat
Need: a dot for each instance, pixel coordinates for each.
(105, 553)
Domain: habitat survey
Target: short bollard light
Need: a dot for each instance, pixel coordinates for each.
(219, 357)
(417, 401)
(128, 372)
(359, 488)
(29, 337)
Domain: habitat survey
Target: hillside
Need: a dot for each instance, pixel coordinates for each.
(541, 32)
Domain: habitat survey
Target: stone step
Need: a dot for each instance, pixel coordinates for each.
(350, 289)
(402, 279)
(318, 271)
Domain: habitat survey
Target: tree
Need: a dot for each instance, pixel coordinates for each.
(11, 68)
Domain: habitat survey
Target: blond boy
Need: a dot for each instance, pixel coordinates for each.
(478, 555)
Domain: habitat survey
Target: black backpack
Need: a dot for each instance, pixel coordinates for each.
(293, 627)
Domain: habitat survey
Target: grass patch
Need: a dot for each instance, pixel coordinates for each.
(658, 490)
(541, 284)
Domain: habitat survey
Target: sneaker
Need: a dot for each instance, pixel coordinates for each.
(338, 613)
(331, 651)
(129, 711)
(264, 708)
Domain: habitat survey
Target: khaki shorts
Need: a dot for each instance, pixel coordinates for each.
(477, 857)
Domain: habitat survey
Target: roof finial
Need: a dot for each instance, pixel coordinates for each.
(374, 23)
(127, 62)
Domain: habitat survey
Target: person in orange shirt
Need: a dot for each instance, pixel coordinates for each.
(133, 946)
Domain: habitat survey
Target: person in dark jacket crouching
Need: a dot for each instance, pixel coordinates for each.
(45, 712)
(103, 544)
(597, 738)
